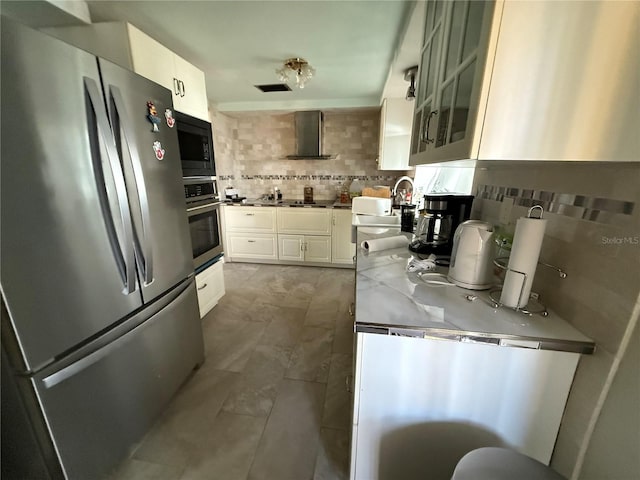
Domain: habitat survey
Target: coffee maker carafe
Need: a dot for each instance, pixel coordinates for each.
(438, 221)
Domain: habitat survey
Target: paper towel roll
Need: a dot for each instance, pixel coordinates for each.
(385, 243)
(527, 242)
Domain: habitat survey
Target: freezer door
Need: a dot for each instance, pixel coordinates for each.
(154, 181)
(67, 270)
(100, 405)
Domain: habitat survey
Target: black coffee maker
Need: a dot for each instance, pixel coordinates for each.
(438, 222)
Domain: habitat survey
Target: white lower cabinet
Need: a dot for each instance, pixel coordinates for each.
(291, 247)
(304, 234)
(250, 233)
(281, 234)
(342, 250)
(210, 285)
(420, 404)
(252, 245)
(304, 248)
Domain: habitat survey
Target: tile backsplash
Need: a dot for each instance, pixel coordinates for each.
(251, 148)
(600, 253)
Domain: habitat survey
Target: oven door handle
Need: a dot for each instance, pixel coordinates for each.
(123, 248)
(208, 207)
(138, 175)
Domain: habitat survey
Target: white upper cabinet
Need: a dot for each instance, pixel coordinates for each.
(565, 83)
(151, 59)
(528, 80)
(453, 57)
(124, 44)
(192, 91)
(396, 116)
(156, 62)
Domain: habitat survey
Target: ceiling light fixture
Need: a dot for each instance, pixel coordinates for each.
(410, 76)
(299, 67)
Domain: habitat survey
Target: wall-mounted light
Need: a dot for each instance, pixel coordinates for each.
(410, 76)
(299, 67)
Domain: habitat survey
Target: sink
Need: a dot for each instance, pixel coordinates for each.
(373, 224)
(387, 221)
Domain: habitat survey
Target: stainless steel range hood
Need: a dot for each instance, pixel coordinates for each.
(308, 136)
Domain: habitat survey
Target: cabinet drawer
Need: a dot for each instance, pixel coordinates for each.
(248, 219)
(252, 246)
(304, 221)
(210, 285)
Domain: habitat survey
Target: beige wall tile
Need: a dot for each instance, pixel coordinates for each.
(603, 282)
(256, 144)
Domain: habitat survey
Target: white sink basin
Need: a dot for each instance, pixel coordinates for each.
(376, 221)
(373, 224)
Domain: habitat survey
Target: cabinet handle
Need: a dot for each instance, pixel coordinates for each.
(176, 87)
(251, 241)
(249, 214)
(352, 309)
(202, 287)
(182, 89)
(425, 131)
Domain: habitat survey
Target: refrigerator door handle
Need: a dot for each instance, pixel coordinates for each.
(78, 366)
(147, 249)
(127, 255)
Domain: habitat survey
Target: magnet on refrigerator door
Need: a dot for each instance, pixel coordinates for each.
(159, 151)
(153, 116)
(168, 114)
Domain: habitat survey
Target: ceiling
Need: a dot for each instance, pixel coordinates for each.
(359, 48)
(239, 44)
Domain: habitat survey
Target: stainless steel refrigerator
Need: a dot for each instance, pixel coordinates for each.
(100, 322)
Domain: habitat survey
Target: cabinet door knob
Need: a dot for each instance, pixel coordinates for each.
(202, 287)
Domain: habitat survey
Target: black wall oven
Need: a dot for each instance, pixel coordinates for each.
(203, 211)
(195, 141)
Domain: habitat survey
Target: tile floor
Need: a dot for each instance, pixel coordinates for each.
(270, 401)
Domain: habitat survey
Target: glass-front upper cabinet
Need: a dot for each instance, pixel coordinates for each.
(451, 67)
(511, 80)
(428, 71)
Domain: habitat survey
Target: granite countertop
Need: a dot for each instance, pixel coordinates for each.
(392, 301)
(257, 202)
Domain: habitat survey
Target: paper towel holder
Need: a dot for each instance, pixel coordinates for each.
(530, 308)
(540, 309)
(530, 211)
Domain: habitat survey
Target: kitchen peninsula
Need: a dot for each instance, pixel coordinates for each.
(434, 367)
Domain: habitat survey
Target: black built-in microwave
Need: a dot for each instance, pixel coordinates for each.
(196, 146)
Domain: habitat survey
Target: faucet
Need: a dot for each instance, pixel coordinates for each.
(394, 192)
